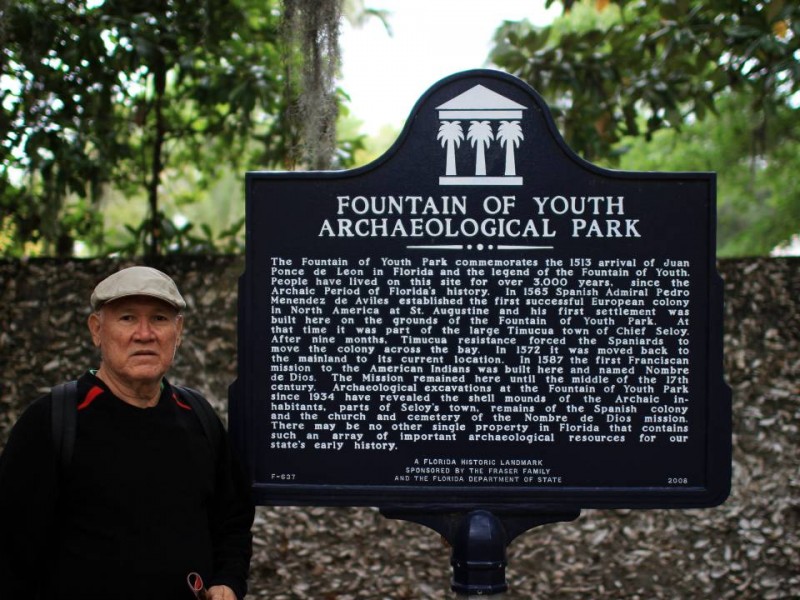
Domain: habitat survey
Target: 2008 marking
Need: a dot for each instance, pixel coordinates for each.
(677, 481)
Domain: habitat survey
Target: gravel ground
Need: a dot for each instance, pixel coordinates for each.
(748, 548)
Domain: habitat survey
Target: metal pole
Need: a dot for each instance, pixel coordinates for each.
(479, 539)
(479, 555)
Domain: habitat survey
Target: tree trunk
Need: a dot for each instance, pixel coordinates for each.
(480, 160)
(160, 76)
(451, 159)
(511, 163)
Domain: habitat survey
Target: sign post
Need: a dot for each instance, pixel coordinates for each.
(480, 331)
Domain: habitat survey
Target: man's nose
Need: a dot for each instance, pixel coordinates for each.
(144, 330)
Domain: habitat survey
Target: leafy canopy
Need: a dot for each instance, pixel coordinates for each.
(667, 60)
(686, 75)
(124, 95)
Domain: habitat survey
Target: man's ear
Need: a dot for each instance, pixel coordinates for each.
(179, 325)
(94, 328)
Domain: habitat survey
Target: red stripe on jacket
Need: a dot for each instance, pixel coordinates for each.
(93, 393)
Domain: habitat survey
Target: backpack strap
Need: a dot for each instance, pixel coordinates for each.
(63, 422)
(212, 426)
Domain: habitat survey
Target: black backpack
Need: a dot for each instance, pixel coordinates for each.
(64, 413)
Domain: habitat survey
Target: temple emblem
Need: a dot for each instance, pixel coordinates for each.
(489, 119)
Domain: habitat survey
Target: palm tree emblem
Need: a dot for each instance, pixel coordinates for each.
(480, 135)
(510, 135)
(451, 135)
(495, 123)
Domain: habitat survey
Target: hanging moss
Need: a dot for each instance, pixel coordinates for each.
(311, 32)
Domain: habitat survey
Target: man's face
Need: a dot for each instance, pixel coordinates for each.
(137, 337)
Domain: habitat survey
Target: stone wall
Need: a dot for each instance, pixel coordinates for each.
(747, 548)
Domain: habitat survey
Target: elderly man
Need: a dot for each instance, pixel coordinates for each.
(148, 495)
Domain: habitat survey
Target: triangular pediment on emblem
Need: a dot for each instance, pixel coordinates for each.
(480, 97)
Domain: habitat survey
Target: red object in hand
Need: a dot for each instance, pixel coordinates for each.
(196, 585)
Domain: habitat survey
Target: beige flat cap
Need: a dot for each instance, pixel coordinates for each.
(137, 281)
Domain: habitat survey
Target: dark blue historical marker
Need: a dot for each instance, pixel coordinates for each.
(482, 323)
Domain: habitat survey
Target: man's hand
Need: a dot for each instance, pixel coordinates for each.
(220, 592)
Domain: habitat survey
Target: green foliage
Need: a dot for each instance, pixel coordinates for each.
(376, 145)
(666, 60)
(679, 85)
(109, 104)
(756, 161)
(123, 94)
(182, 238)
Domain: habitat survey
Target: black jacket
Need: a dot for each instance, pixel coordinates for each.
(144, 501)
